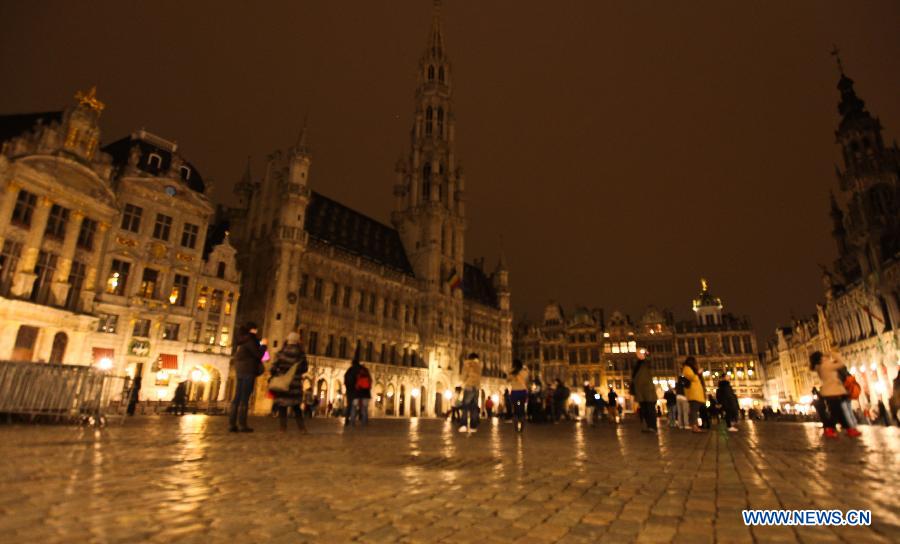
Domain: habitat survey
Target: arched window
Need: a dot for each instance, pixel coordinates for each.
(24, 346)
(426, 182)
(60, 341)
(154, 161)
(440, 122)
(220, 270)
(441, 74)
(185, 173)
(431, 73)
(429, 114)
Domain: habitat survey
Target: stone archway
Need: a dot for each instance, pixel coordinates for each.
(378, 399)
(440, 393)
(321, 399)
(401, 401)
(389, 401)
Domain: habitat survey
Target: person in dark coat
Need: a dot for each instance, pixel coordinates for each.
(726, 397)
(247, 361)
(134, 394)
(291, 354)
(644, 391)
(359, 380)
(671, 406)
(179, 399)
(560, 397)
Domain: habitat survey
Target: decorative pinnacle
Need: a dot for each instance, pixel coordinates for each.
(90, 100)
(836, 53)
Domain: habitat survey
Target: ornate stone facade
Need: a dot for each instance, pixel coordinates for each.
(862, 289)
(590, 348)
(103, 255)
(401, 296)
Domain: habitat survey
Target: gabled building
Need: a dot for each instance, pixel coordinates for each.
(103, 255)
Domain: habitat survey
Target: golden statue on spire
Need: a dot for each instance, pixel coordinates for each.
(704, 286)
(90, 100)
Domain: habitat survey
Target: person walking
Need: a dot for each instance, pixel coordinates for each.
(134, 394)
(471, 379)
(518, 393)
(612, 408)
(359, 380)
(179, 399)
(644, 391)
(694, 392)
(727, 398)
(248, 365)
(833, 392)
(290, 356)
(671, 406)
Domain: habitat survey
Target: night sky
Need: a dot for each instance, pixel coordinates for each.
(621, 149)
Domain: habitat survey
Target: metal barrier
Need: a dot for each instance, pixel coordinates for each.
(56, 392)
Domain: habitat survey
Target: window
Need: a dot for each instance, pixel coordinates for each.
(131, 218)
(441, 74)
(595, 358)
(189, 235)
(573, 357)
(383, 354)
(313, 342)
(215, 302)
(372, 301)
(440, 121)
(149, 281)
(108, 323)
(223, 337)
(220, 270)
(209, 334)
(170, 331)
(195, 336)
(736, 342)
(56, 222)
(86, 234)
(179, 290)
(429, 114)
(370, 351)
(45, 269)
(431, 73)
(24, 210)
(229, 303)
(329, 347)
(76, 283)
(342, 348)
(154, 161)
(117, 281)
(203, 298)
(362, 302)
(141, 328)
(304, 285)
(9, 260)
(347, 294)
(335, 294)
(162, 227)
(395, 311)
(726, 345)
(317, 289)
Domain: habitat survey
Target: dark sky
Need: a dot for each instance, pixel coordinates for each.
(621, 149)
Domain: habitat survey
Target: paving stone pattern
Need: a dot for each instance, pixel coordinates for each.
(170, 479)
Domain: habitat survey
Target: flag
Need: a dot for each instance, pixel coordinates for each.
(454, 280)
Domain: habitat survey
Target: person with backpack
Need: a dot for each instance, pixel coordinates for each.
(644, 391)
(833, 392)
(248, 364)
(694, 391)
(671, 406)
(471, 379)
(286, 381)
(726, 396)
(358, 380)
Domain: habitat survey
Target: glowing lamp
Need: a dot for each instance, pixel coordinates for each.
(414, 392)
(105, 363)
(448, 394)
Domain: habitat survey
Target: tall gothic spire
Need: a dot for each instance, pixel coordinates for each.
(435, 47)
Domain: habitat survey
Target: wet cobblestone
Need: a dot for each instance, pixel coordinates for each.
(168, 479)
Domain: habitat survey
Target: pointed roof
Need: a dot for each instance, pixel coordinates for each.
(435, 46)
(302, 145)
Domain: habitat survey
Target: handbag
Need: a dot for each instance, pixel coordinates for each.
(852, 386)
(282, 383)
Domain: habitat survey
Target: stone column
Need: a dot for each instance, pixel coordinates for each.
(89, 290)
(60, 286)
(23, 281)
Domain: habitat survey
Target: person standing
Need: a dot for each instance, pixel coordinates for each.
(489, 407)
(518, 393)
(590, 403)
(694, 392)
(471, 379)
(291, 355)
(507, 405)
(671, 406)
(644, 391)
(179, 399)
(613, 405)
(682, 406)
(833, 392)
(727, 398)
(360, 380)
(559, 399)
(247, 366)
(134, 394)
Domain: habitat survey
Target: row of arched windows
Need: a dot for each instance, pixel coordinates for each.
(430, 116)
(440, 73)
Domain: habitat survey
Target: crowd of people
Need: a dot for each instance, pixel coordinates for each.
(526, 399)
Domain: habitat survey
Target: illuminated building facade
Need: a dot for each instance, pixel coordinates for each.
(401, 296)
(103, 255)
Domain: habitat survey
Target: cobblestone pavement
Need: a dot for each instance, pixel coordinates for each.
(169, 479)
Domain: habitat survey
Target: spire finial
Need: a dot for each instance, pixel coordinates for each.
(704, 285)
(90, 100)
(836, 53)
(302, 145)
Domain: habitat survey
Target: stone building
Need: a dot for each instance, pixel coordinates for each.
(589, 348)
(401, 296)
(786, 360)
(862, 288)
(103, 254)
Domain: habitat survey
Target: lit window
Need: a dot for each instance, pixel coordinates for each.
(223, 337)
(170, 331)
(202, 299)
(118, 277)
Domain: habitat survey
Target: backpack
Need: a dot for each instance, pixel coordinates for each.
(363, 380)
(852, 386)
(684, 382)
